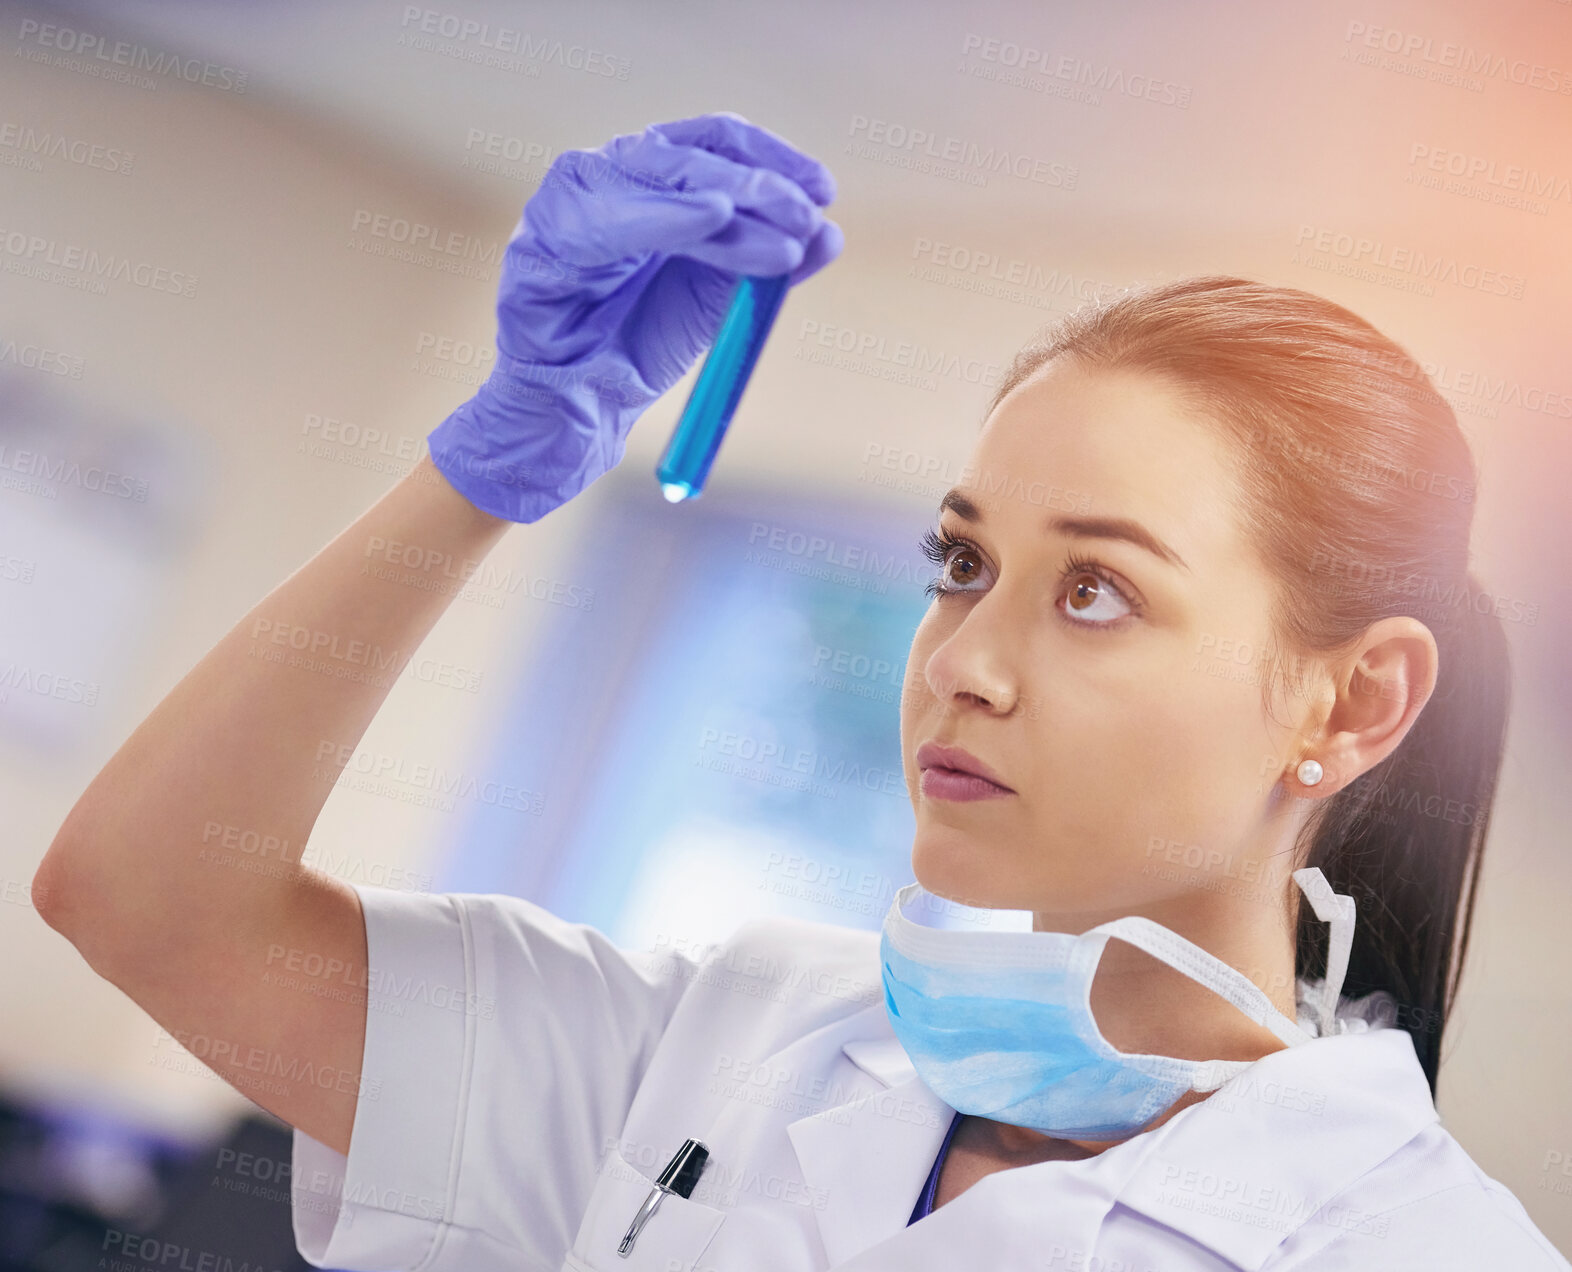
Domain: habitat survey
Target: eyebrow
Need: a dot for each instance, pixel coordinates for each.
(1121, 528)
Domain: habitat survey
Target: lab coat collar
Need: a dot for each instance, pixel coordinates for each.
(1242, 1170)
(884, 1058)
(1237, 1172)
(869, 1156)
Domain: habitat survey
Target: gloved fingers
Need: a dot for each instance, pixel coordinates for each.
(649, 159)
(747, 245)
(693, 293)
(823, 248)
(587, 228)
(728, 134)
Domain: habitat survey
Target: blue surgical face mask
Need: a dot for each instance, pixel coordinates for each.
(999, 1024)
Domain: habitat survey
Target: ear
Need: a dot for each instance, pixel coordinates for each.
(1382, 684)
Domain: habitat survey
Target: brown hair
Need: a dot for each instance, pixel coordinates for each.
(1358, 492)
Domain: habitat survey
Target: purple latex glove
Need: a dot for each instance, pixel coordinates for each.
(614, 281)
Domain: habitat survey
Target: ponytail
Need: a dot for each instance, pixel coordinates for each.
(1405, 839)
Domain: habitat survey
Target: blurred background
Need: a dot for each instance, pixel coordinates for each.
(306, 204)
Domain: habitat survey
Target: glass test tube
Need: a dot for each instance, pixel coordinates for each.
(686, 462)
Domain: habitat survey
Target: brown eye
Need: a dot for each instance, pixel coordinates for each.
(1084, 590)
(945, 552)
(1088, 596)
(964, 578)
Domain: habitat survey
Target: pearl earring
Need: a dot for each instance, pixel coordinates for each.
(1308, 772)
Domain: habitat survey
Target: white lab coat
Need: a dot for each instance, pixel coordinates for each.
(524, 1080)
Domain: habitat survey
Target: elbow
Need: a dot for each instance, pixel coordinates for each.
(51, 894)
(80, 891)
(63, 891)
(63, 899)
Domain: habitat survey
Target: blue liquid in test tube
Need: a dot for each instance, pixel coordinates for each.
(685, 465)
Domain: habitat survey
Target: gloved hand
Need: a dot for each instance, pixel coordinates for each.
(614, 281)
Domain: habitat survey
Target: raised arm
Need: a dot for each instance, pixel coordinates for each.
(177, 875)
(615, 279)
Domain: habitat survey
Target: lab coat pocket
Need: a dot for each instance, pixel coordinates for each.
(671, 1241)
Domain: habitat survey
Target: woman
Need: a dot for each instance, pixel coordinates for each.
(1231, 673)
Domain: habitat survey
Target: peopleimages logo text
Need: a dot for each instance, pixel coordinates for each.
(1460, 57)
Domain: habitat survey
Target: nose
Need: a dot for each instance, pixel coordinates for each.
(970, 669)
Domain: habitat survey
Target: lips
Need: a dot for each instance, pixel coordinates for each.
(936, 755)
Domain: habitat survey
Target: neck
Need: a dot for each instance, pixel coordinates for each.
(1142, 1005)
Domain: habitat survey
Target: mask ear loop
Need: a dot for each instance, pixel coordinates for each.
(1338, 910)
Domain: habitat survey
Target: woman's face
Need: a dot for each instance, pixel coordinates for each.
(1119, 696)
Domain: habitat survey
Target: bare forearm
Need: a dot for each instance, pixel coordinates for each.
(241, 755)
